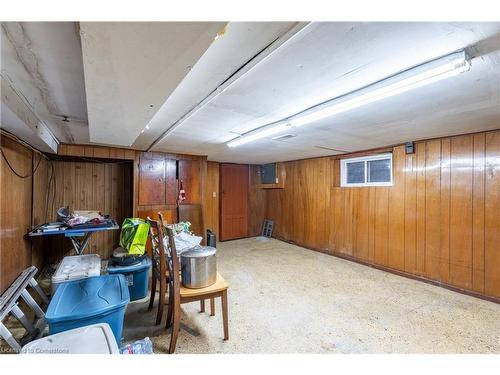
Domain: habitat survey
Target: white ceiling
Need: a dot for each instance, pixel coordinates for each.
(206, 90)
(238, 43)
(132, 68)
(42, 61)
(325, 60)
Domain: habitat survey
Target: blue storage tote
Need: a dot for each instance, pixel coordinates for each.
(79, 303)
(137, 276)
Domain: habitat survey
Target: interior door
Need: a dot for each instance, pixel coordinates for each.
(234, 201)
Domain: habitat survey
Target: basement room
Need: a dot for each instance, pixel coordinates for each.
(249, 187)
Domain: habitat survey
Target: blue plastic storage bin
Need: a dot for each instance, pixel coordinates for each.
(79, 303)
(137, 276)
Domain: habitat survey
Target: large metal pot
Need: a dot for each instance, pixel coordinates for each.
(198, 267)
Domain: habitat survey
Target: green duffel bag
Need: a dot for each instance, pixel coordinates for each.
(134, 235)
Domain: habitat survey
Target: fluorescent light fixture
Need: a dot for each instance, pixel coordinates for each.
(251, 136)
(421, 75)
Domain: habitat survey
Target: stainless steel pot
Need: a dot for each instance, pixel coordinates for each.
(198, 267)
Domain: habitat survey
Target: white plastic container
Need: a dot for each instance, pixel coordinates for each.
(75, 268)
(93, 339)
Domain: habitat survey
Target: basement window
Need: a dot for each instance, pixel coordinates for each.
(375, 170)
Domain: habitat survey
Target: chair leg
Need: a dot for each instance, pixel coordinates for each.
(175, 329)
(170, 309)
(153, 293)
(161, 302)
(212, 306)
(225, 315)
(202, 305)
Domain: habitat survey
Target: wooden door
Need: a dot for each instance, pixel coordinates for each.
(234, 201)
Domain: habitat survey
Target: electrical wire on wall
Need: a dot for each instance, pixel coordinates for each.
(14, 171)
(51, 186)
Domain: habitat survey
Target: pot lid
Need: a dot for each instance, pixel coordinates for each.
(199, 252)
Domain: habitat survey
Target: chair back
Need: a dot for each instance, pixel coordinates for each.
(173, 269)
(158, 254)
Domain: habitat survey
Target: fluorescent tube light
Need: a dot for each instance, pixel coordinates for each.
(250, 137)
(409, 79)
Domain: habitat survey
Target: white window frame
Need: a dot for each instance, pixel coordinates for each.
(365, 159)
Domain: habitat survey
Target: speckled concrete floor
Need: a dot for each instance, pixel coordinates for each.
(286, 299)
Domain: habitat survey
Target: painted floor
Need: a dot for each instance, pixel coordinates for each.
(287, 299)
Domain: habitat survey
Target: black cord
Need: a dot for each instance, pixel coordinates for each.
(49, 186)
(12, 169)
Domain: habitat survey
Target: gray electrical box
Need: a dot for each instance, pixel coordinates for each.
(268, 173)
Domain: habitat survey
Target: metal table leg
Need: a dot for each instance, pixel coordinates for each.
(80, 246)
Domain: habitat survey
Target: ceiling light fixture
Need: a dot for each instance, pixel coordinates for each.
(261, 133)
(418, 76)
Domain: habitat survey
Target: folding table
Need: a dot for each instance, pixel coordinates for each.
(79, 236)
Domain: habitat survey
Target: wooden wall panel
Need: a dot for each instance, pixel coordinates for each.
(381, 225)
(492, 215)
(432, 209)
(190, 175)
(444, 267)
(256, 201)
(420, 218)
(16, 205)
(191, 169)
(105, 187)
(478, 200)
(411, 214)
(102, 152)
(212, 197)
(440, 220)
(396, 254)
(461, 212)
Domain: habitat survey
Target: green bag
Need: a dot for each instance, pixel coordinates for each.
(134, 235)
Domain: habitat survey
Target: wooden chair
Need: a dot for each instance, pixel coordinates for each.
(179, 295)
(159, 267)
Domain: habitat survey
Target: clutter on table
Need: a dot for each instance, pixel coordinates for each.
(91, 339)
(77, 226)
(79, 217)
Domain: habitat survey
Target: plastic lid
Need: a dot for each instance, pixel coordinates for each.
(88, 297)
(93, 339)
(77, 267)
(144, 264)
(199, 252)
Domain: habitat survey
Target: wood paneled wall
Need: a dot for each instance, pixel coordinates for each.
(16, 205)
(256, 202)
(90, 151)
(440, 220)
(157, 183)
(211, 194)
(85, 185)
